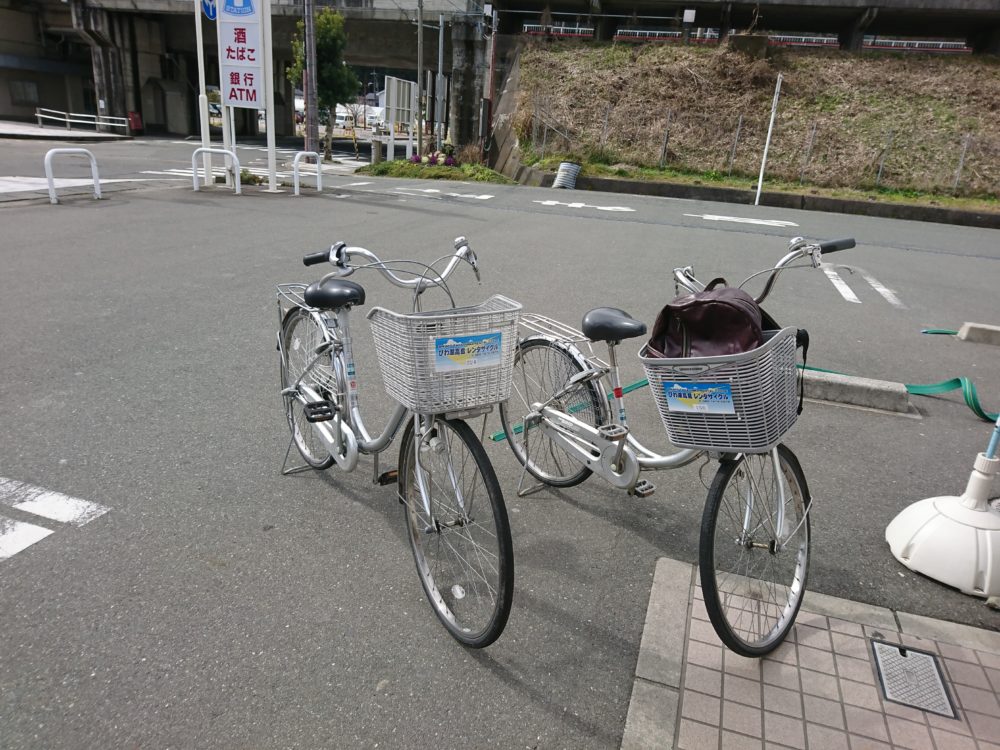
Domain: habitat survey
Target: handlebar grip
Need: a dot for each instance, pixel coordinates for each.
(314, 259)
(832, 246)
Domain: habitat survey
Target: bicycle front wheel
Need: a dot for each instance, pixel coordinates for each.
(300, 335)
(542, 368)
(753, 559)
(462, 548)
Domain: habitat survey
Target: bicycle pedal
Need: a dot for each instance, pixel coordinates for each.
(319, 411)
(643, 488)
(388, 477)
(612, 432)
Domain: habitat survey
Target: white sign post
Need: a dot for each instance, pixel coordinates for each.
(206, 141)
(245, 64)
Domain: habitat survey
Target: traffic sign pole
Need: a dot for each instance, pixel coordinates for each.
(272, 178)
(206, 140)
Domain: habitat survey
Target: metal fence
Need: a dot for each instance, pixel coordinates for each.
(90, 122)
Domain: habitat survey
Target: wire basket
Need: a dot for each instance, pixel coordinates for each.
(447, 360)
(734, 403)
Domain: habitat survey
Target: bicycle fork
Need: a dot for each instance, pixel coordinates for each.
(779, 537)
(429, 441)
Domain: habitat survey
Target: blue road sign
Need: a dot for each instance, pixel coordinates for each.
(239, 7)
(209, 9)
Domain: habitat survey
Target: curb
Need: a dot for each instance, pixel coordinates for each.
(538, 178)
(980, 333)
(848, 389)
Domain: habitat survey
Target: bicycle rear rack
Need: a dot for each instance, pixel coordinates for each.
(560, 331)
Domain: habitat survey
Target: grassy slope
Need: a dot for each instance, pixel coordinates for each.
(924, 105)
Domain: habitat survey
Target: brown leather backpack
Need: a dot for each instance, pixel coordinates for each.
(717, 321)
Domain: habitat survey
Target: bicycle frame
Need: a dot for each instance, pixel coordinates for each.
(615, 454)
(345, 435)
(618, 459)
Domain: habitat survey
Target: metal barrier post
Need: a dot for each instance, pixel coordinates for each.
(224, 151)
(319, 169)
(77, 151)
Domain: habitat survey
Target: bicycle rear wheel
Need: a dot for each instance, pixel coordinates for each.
(463, 549)
(300, 335)
(753, 573)
(542, 368)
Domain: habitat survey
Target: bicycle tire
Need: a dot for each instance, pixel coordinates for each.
(541, 368)
(465, 560)
(300, 335)
(752, 589)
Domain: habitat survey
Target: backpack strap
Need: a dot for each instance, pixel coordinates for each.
(716, 282)
(802, 340)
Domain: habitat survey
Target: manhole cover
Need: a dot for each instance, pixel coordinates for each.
(912, 677)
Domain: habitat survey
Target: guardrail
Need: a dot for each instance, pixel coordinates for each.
(72, 118)
(224, 152)
(319, 170)
(584, 32)
(78, 152)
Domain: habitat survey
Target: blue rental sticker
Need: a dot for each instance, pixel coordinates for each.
(452, 353)
(699, 398)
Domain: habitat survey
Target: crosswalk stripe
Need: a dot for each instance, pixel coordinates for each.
(47, 504)
(16, 535)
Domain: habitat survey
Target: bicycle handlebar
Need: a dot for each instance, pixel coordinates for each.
(798, 247)
(832, 246)
(341, 255)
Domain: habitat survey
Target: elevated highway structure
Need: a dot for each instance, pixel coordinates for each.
(115, 57)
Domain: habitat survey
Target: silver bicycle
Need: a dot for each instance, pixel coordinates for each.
(755, 533)
(442, 367)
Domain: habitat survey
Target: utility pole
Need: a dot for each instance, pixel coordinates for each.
(439, 86)
(309, 76)
(420, 77)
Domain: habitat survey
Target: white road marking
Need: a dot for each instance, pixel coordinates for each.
(584, 205)
(356, 184)
(53, 505)
(889, 294)
(435, 191)
(62, 508)
(744, 220)
(839, 283)
(16, 535)
(842, 287)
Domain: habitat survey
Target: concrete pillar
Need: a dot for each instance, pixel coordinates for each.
(852, 37)
(725, 21)
(469, 70)
(986, 42)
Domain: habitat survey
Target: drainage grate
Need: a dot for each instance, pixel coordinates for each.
(912, 677)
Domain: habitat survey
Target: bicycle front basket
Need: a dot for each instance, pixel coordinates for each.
(733, 403)
(447, 360)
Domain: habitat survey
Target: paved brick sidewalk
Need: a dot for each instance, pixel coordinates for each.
(820, 689)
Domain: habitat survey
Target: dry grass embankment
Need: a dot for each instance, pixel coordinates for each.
(840, 117)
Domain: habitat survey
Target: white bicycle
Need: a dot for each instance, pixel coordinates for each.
(755, 533)
(442, 367)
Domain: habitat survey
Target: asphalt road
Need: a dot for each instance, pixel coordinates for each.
(221, 604)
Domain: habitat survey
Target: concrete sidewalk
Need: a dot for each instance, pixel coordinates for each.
(12, 129)
(820, 689)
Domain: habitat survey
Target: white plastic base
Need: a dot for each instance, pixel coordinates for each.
(950, 542)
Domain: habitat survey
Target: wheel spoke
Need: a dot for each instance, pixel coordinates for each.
(752, 587)
(463, 550)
